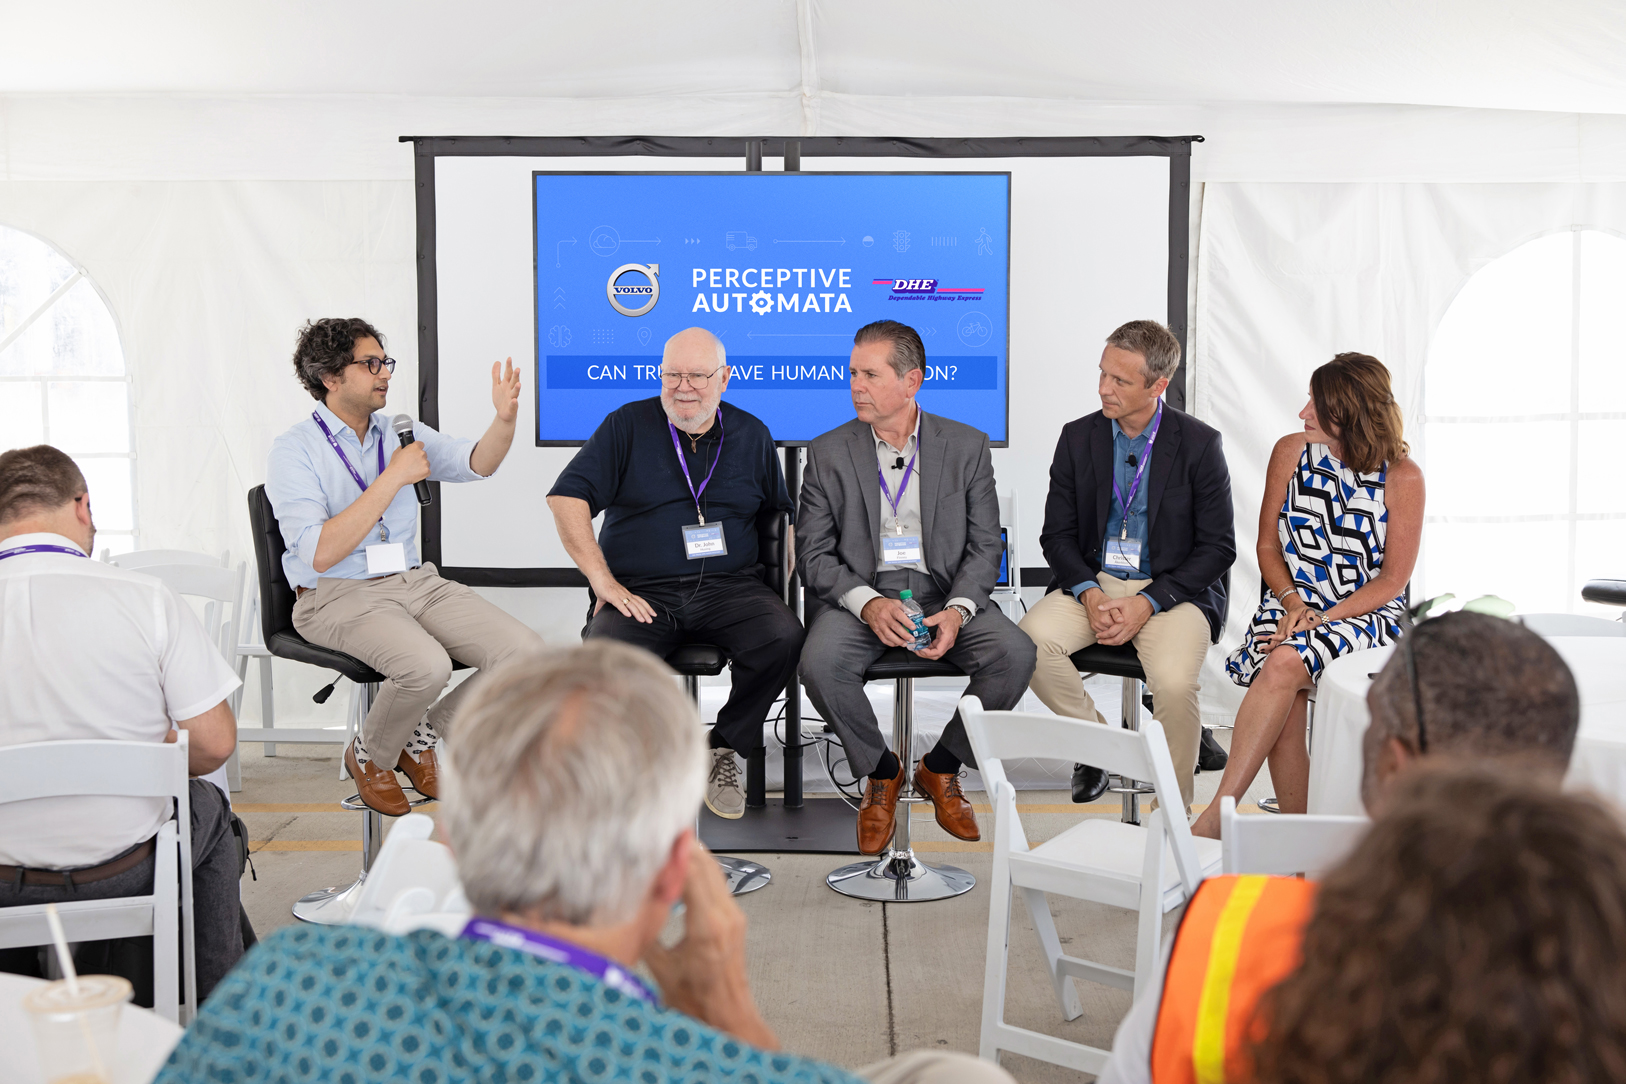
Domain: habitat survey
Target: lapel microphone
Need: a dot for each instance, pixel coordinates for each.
(1132, 461)
(899, 464)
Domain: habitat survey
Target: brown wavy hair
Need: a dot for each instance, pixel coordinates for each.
(1355, 403)
(1478, 933)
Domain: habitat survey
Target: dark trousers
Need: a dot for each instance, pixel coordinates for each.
(216, 907)
(733, 611)
(997, 656)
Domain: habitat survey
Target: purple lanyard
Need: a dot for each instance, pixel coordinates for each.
(43, 548)
(354, 473)
(902, 486)
(1134, 486)
(678, 448)
(611, 973)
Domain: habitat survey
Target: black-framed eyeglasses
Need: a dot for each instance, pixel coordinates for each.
(697, 381)
(1410, 652)
(375, 364)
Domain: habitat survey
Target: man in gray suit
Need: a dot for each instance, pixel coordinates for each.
(902, 500)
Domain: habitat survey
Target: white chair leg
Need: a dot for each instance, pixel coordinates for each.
(1149, 936)
(1045, 925)
(268, 707)
(998, 961)
(234, 773)
(166, 909)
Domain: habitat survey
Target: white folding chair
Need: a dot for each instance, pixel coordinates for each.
(137, 560)
(220, 588)
(251, 645)
(1286, 844)
(1151, 868)
(412, 878)
(71, 769)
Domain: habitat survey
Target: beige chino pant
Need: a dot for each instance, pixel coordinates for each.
(409, 627)
(1171, 646)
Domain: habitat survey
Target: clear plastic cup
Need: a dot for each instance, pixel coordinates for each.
(77, 1037)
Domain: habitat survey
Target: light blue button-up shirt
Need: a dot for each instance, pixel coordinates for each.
(1123, 447)
(308, 486)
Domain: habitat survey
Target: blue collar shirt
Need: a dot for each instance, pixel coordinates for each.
(308, 485)
(1122, 448)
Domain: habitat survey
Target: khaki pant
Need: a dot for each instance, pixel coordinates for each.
(1171, 646)
(409, 627)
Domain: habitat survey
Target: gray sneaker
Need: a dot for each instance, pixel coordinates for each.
(724, 795)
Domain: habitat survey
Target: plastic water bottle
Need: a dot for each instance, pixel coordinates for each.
(923, 635)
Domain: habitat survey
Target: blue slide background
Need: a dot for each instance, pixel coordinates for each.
(867, 230)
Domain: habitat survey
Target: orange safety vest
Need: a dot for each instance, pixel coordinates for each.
(1240, 936)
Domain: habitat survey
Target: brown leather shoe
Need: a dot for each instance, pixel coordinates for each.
(424, 773)
(877, 813)
(377, 786)
(954, 813)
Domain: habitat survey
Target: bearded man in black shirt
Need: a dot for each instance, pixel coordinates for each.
(684, 481)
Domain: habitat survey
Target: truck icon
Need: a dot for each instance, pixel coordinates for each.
(734, 239)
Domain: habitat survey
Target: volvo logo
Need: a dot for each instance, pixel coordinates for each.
(647, 291)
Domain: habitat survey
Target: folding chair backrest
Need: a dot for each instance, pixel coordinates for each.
(121, 769)
(1287, 843)
(997, 736)
(220, 588)
(141, 559)
(410, 861)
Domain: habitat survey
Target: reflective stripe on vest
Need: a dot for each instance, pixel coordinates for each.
(1240, 936)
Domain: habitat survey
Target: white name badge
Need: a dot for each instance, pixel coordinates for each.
(900, 549)
(386, 557)
(1123, 554)
(704, 540)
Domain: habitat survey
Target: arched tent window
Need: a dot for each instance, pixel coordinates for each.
(62, 377)
(1525, 427)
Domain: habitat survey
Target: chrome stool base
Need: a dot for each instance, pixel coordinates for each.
(743, 875)
(334, 906)
(900, 877)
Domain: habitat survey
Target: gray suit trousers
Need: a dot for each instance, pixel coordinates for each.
(996, 655)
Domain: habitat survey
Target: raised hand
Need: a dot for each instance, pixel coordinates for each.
(505, 387)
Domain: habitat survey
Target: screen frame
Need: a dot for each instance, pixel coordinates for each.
(426, 149)
(536, 257)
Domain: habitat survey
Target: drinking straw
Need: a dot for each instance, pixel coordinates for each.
(65, 959)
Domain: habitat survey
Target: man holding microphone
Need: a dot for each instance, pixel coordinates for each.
(351, 523)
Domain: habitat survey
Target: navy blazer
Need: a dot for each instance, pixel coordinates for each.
(1190, 520)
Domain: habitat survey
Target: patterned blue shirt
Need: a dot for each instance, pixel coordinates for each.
(1122, 448)
(345, 1005)
(308, 485)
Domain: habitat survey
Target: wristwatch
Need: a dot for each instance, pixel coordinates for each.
(965, 614)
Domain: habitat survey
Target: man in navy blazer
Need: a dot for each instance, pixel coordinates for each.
(1139, 536)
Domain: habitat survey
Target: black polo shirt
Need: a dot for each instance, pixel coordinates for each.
(629, 470)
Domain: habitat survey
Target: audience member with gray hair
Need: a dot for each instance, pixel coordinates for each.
(572, 784)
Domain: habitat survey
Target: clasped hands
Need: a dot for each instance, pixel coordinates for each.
(1115, 620)
(1298, 618)
(892, 625)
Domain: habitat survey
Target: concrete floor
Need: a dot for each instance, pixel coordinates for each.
(846, 981)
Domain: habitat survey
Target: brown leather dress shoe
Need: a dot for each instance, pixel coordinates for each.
(377, 785)
(877, 813)
(424, 773)
(954, 813)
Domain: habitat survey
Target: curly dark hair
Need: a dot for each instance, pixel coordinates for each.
(326, 346)
(1477, 933)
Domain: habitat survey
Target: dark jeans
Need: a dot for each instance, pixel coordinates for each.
(216, 907)
(734, 611)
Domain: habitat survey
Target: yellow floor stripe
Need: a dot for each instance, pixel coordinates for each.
(310, 807)
(258, 845)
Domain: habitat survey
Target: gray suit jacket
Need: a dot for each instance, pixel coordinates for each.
(838, 525)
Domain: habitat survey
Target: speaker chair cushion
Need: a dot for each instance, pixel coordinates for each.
(1119, 661)
(697, 660)
(900, 662)
(1607, 592)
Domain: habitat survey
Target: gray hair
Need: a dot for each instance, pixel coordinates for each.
(569, 776)
(722, 352)
(1158, 348)
(908, 352)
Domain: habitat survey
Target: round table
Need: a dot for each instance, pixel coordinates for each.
(1598, 762)
(145, 1038)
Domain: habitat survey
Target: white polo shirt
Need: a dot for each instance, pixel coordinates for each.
(88, 650)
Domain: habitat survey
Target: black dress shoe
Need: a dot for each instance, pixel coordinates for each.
(1088, 783)
(1211, 756)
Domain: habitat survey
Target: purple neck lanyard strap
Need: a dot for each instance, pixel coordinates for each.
(332, 440)
(541, 945)
(678, 448)
(902, 486)
(42, 548)
(1134, 486)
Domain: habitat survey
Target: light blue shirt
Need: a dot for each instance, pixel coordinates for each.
(1122, 448)
(308, 486)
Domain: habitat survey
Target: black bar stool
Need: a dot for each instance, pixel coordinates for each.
(897, 876)
(1606, 593)
(1121, 661)
(326, 906)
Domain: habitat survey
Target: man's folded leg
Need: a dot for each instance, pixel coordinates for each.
(1172, 646)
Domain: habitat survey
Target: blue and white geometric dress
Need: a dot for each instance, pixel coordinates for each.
(1332, 529)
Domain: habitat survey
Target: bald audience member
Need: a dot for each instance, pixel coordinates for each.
(685, 483)
(1464, 687)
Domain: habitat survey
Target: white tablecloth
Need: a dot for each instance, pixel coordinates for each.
(1599, 760)
(145, 1039)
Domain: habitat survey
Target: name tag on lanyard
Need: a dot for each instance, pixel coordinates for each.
(900, 549)
(1123, 554)
(386, 557)
(704, 540)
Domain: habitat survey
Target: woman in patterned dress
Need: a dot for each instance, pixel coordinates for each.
(1339, 529)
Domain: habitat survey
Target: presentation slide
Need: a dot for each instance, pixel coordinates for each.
(783, 268)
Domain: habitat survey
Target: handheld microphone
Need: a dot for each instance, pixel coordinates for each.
(403, 429)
